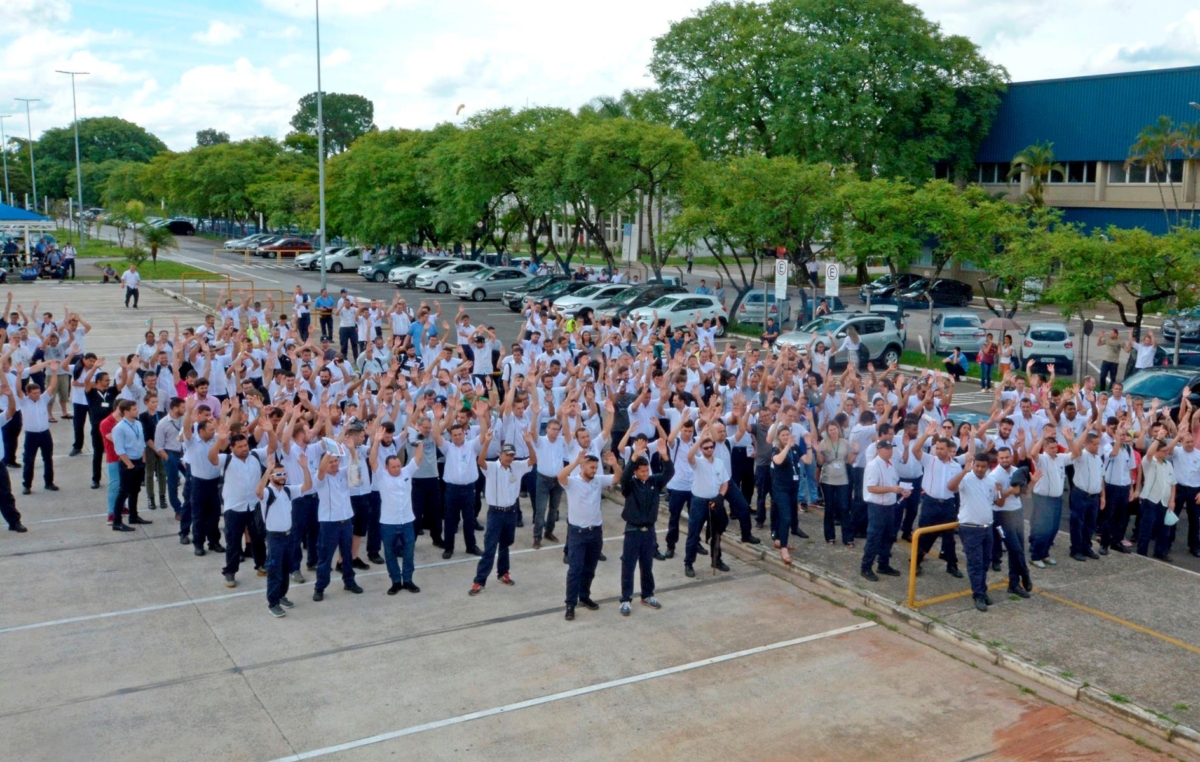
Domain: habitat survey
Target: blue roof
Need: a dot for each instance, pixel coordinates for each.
(11, 214)
(1089, 118)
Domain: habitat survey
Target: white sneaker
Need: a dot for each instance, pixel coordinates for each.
(297, 578)
(651, 602)
(1051, 562)
(625, 608)
(1040, 564)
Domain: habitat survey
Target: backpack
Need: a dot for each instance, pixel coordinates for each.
(261, 511)
(259, 522)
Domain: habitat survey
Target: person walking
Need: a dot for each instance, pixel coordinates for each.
(978, 496)
(641, 491)
(881, 491)
(275, 497)
(131, 280)
(68, 262)
(585, 528)
(502, 490)
(397, 522)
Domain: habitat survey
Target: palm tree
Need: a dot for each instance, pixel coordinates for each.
(1038, 161)
(1154, 146)
(157, 238)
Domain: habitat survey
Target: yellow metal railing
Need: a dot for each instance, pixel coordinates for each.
(275, 253)
(912, 563)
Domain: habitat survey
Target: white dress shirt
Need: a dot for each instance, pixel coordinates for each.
(1187, 466)
(1157, 480)
(395, 495)
(278, 515)
(880, 473)
(503, 485)
(35, 416)
(1003, 480)
(333, 493)
(977, 499)
(241, 479)
(461, 466)
(936, 482)
(1089, 472)
(583, 500)
(551, 456)
(1054, 474)
(708, 476)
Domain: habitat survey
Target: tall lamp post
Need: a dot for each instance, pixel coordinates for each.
(29, 126)
(4, 155)
(78, 166)
(320, 155)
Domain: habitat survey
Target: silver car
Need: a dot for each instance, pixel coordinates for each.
(488, 284)
(958, 329)
(751, 310)
(878, 334)
(440, 280)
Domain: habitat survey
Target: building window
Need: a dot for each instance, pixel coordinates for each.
(1175, 171)
(1081, 172)
(942, 171)
(1116, 173)
(1056, 177)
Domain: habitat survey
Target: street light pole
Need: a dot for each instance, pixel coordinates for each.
(320, 155)
(4, 155)
(78, 166)
(29, 126)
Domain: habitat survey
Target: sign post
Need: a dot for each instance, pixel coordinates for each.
(832, 279)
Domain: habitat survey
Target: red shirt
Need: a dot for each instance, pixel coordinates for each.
(106, 426)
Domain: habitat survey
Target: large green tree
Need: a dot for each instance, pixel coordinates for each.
(101, 139)
(211, 137)
(866, 82)
(347, 117)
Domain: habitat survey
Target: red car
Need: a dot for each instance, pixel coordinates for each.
(288, 247)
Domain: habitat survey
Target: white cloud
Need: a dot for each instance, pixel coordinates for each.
(1179, 45)
(338, 57)
(21, 16)
(218, 33)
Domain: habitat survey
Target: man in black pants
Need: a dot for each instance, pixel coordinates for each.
(101, 397)
(129, 441)
(938, 505)
(585, 530)
(641, 491)
(35, 407)
(81, 373)
(8, 506)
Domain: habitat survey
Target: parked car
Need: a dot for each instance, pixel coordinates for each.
(551, 291)
(833, 303)
(945, 293)
(1048, 344)
(377, 271)
(593, 295)
(406, 275)
(250, 242)
(337, 259)
(877, 333)
(1188, 323)
(884, 288)
(958, 329)
(535, 283)
(1168, 385)
(684, 308)
(181, 227)
(488, 284)
(751, 309)
(284, 247)
(439, 280)
(634, 297)
(893, 312)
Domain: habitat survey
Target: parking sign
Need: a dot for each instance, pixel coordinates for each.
(781, 276)
(832, 277)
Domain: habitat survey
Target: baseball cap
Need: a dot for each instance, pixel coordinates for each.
(357, 426)
(882, 443)
(508, 450)
(344, 291)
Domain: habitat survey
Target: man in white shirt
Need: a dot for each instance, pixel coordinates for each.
(1157, 492)
(502, 489)
(1087, 490)
(34, 405)
(710, 480)
(937, 504)
(1009, 518)
(1186, 460)
(585, 524)
(131, 280)
(241, 470)
(1050, 462)
(978, 496)
(1119, 464)
(551, 451)
(397, 521)
(335, 517)
(459, 477)
(881, 490)
(275, 496)
(347, 312)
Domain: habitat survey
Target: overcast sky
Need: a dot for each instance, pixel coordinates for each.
(240, 65)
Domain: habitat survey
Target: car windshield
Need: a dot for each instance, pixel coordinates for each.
(627, 296)
(481, 274)
(884, 281)
(437, 265)
(919, 285)
(961, 322)
(1047, 334)
(757, 297)
(536, 283)
(556, 288)
(823, 324)
(664, 302)
(1163, 386)
(587, 291)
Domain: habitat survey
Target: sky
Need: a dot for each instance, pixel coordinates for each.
(178, 66)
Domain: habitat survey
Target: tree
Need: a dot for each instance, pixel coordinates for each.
(156, 238)
(211, 137)
(1026, 254)
(1036, 161)
(125, 182)
(871, 83)
(880, 224)
(101, 139)
(347, 117)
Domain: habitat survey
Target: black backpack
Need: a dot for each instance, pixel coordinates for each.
(260, 523)
(261, 511)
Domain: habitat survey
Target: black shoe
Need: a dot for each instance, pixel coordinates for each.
(199, 551)
(397, 587)
(920, 571)
(1079, 556)
(1091, 554)
(1026, 582)
(669, 554)
(26, 491)
(589, 604)
(1121, 548)
(720, 566)
(759, 524)
(570, 614)
(800, 533)
(475, 551)
(987, 599)
(479, 527)
(95, 485)
(954, 572)
(437, 543)
(548, 537)
(153, 506)
(868, 574)
(353, 588)
(751, 540)
(1195, 553)
(906, 536)
(889, 571)
(74, 451)
(318, 595)
(360, 564)
(520, 524)
(658, 556)
(1164, 558)
(1018, 591)
(410, 587)
(981, 604)
(140, 520)
(185, 540)
(700, 551)
(18, 528)
(122, 528)
(310, 567)
(376, 559)
(447, 554)
(688, 571)
(218, 548)
(1103, 551)
(603, 557)
(997, 566)
(52, 487)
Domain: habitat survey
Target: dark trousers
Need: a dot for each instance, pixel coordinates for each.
(498, 534)
(399, 543)
(762, 483)
(279, 565)
(547, 499)
(783, 496)
(35, 442)
(174, 469)
(8, 505)
(11, 431)
(236, 524)
(908, 507)
(743, 475)
(303, 323)
(676, 501)
(584, 545)
(1043, 525)
(1108, 375)
(881, 533)
(858, 506)
(206, 511)
(1116, 515)
(1186, 501)
(1012, 526)
(326, 323)
(305, 529)
(699, 514)
(427, 505)
(81, 414)
(1151, 527)
(460, 505)
(334, 537)
(1084, 508)
(934, 512)
(739, 508)
(347, 341)
(638, 551)
(837, 511)
(97, 454)
(977, 547)
(131, 293)
(374, 534)
(127, 492)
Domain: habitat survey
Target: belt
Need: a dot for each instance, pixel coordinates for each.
(512, 507)
(974, 526)
(1089, 494)
(939, 499)
(639, 527)
(584, 529)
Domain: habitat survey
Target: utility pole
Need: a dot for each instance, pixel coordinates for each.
(78, 166)
(29, 126)
(4, 153)
(320, 154)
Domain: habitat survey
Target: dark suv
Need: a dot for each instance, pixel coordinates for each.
(944, 291)
(885, 287)
(550, 291)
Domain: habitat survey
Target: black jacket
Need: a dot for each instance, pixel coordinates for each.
(641, 498)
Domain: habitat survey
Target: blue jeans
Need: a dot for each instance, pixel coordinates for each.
(459, 501)
(498, 535)
(279, 565)
(114, 485)
(1084, 508)
(977, 547)
(809, 491)
(881, 533)
(174, 467)
(583, 553)
(399, 540)
(985, 373)
(1043, 525)
(334, 536)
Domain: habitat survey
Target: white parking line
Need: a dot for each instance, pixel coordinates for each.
(573, 693)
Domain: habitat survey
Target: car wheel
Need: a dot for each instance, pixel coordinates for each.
(379, 277)
(891, 355)
(442, 287)
(478, 295)
(411, 282)
(336, 267)
(720, 326)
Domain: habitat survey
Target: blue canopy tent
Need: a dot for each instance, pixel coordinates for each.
(13, 219)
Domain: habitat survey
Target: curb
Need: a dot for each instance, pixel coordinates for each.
(181, 298)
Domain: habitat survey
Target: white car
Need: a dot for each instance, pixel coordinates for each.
(439, 280)
(337, 259)
(589, 296)
(683, 308)
(407, 275)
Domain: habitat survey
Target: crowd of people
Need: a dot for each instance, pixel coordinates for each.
(271, 445)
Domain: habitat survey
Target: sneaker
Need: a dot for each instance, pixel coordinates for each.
(981, 604)
(1040, 564)
(230, 581)
(589, 604)
(626, 610)
(1091, 554)
(651, 602)
(27, 491)
(297, 578)
(669, 554)
(200, 551)
(185, 540)
(658, 556)
(260, 571)
(286, 603)
(277, 611)
(688, 571)
(537, 543)
(153, 506)
(506, 579)
(353, 588)
(1078, 557)
(74, 451)
(310, 567)
(996, 566)
(476, 589)
(1103, 551)
(395, 588)
(109, 519)
(570, 617)
(318, 595)
(1051, 562)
